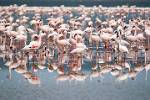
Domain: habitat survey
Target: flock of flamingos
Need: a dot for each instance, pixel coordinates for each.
(62, 39)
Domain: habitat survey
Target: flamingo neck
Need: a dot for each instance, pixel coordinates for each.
(11, 41)
(40, 39)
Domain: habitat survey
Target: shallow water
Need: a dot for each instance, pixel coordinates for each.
(106, 88)
(101, 88)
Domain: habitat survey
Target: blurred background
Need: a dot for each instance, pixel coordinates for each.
(140, 3)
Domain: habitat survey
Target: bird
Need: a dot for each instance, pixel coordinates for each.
(35, 44)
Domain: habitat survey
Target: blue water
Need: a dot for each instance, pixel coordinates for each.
(107, 88)
(101, 88)
(140, 3)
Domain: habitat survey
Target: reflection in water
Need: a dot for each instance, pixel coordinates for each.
(110, 40)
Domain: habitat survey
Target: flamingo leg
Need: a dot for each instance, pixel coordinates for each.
(148, 42)
(145, 57)
(146, 75)
(97, 46)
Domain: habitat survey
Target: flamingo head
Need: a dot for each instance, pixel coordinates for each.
(35, 37)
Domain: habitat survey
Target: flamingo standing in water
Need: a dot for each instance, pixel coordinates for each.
(105, 70)
(132, 74)
(58, 32)
(21, 69)
(21, 38)
(79, 50)
(147, 31)
(50, 68)
(35, 44)
(122, 77)
(34, 80)
(27, 74)
(62, 42)
(63, 77)
(95, 38)
(115, 72)
(11, 65)
(79, 76)
(123, 48)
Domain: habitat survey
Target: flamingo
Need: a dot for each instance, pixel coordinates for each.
(41, 66)
(105, 36)
(54, 66)
(12, 66)
(123, 48)
(9, 28)
(21, 28)
(132, 74)
(21, 69)
(122, 77)
(11, 33)
(67, 36)
(34, 80)
(21, 36)
(45, 28)
(50, 68)
(118, 67)
(105, 70)
(147, 31)
(35, 44)
(62, 42)
(78, 50)
(63, 77)
(123, 42)
(131, 38)
(79, 76)
(27, 74)
(30, 31)
(95, 38)
(115, 72)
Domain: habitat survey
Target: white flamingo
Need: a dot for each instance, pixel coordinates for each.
(122, 77)
(35, 44)
(34, 80)
(115, 72)
(63, 77)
